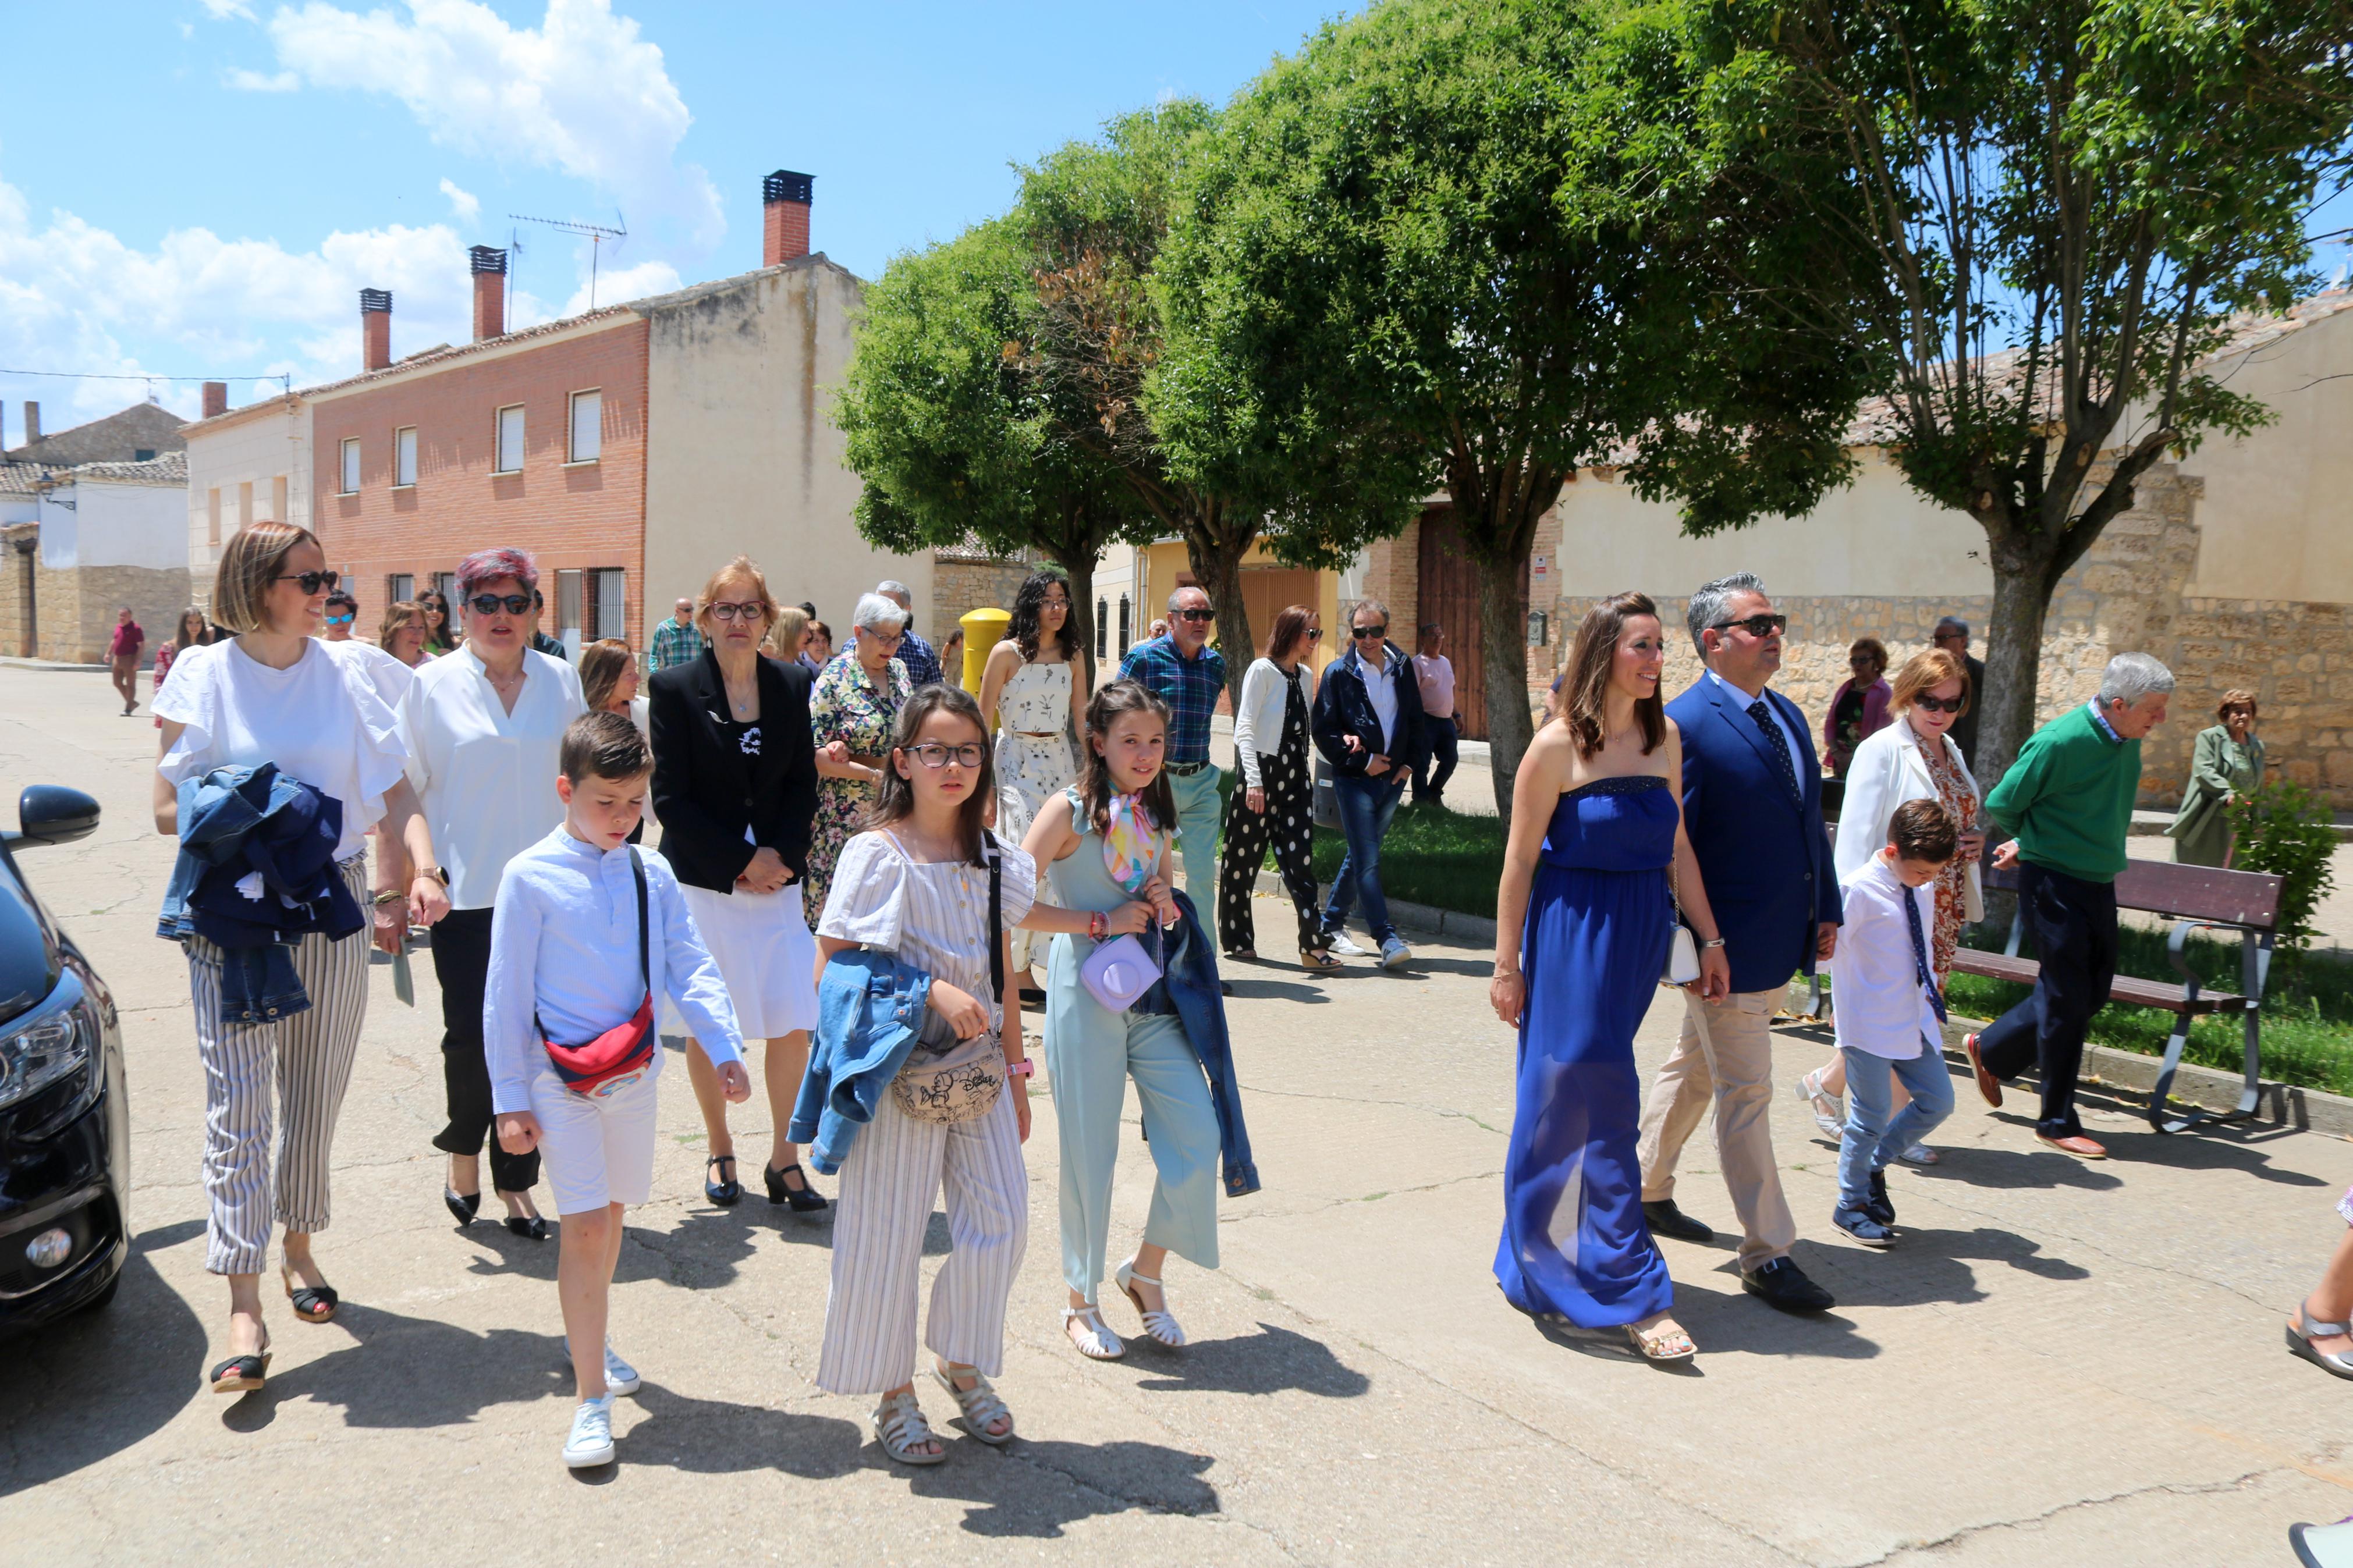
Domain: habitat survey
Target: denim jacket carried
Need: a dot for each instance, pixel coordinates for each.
(870, 1008)
(1191, 982)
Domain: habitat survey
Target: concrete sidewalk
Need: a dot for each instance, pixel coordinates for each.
(2063, 1362)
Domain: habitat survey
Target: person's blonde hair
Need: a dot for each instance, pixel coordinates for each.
(602, 665)
(789, 628)
(742, 566)
(398, 613)
(1926, 671)
(253, 559)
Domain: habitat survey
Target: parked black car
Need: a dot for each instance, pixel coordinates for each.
(65, 1111)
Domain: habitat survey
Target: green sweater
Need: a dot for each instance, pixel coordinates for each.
(2069, 797)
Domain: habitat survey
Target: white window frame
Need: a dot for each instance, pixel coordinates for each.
(348, 474)
(573, 454)
(499, 440)
(404, 458)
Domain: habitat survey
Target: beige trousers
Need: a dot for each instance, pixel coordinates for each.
(1726, 1055)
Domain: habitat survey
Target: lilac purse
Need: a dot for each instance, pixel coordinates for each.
(1118, 972)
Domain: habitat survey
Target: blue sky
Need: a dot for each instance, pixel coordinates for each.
(200, 187)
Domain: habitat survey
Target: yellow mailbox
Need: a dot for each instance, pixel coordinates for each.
(982, 630)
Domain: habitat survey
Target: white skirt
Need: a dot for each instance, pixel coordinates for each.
(766, 954)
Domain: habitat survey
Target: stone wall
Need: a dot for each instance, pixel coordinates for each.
(74, 609)
(961, 585)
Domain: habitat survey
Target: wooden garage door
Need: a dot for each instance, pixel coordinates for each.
(1448, 594)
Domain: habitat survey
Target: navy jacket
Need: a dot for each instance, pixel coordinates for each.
(869, 1010)
(1343, 708)
(1765, 858)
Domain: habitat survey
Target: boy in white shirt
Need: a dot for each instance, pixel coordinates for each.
(569, 957)
(1890, 1013)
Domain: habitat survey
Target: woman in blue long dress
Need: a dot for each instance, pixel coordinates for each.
(1583, 921)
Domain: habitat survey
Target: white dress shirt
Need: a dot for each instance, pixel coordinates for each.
(1381, 691)
(1797, 752)
(486, 777)
(1880, 1007)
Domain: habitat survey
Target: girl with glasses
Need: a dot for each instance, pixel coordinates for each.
(853, 713)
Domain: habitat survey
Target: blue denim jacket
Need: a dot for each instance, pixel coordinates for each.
(1192, 986)
(869, 1007)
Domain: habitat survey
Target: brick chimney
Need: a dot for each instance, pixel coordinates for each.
(32, 422)
(785, 228)
(488, 265)
(216, 398)
(376, 329)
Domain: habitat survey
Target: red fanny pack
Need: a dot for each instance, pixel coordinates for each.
(623, 1054)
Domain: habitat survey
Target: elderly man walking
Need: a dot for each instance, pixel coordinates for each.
(923, 660)
(1183, 670)
(1952, 635)
(676, 640)
(1753, 809)
(2067, 802)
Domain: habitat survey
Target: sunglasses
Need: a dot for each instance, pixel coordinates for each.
(934, 755)
(313, 582)
(1196, 617)
(1757, 625)
(1941, 704)
(491, 603)
(340, 620)
(1316, 633)
(1360, 633)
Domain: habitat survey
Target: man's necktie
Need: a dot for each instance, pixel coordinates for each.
(1920, 970)
(1779, 744)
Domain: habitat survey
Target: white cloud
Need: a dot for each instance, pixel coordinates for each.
(245, 80)
(581, 93)
(463, 203)
(616, 284)
(222, 10)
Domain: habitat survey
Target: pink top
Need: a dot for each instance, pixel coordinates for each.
(1434, 672)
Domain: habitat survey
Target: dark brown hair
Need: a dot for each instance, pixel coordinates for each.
(604, 746)
(1584, 683)
(1924, 830)
(1289, 627)
(1029, 606)
(602, 663)
(1871, 648)
(1109, 705)
(894, 798)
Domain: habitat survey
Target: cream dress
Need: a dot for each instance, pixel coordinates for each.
(1030, 772)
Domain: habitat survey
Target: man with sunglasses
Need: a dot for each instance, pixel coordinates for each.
(1952, 635)
(1184, 671)
(342, 611)
(1368, 725)
(1753, 810)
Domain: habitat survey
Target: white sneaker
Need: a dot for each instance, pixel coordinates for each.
(1343, 948)
(620, 1377)
(591, 1443)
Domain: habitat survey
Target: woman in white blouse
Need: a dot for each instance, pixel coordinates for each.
(274, 694)
(1913, 758)
(483, 726)
(1274, 807)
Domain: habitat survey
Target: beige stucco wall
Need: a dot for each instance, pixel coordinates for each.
(256, 449)
(741, 454)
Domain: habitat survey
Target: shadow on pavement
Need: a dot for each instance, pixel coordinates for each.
(411, 1372)
(1729, 1322)
(1104, 1478)
(1271, 1362)
(1247, 986)
(716, 1436)
(2016, 1168)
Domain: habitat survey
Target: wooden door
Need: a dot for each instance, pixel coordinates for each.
(1266, 590)
(1448, 594)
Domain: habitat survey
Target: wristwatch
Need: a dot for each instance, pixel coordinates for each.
(436, 872)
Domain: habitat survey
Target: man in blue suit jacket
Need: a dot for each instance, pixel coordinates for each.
(1753, 809)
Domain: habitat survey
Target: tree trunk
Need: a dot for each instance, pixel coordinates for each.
(1080, 571)
(1503, 653)
(2025, 574)
(1217, 558)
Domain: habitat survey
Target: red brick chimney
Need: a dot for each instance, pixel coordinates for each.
(488, 265)
(785, 228)
(216, 398)
(376, 329)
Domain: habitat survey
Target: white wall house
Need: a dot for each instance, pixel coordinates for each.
(244, 466)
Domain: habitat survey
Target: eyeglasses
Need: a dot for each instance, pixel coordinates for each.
(727, 612)
(1196, 617)
(491, 603)
(340, 620)
(1360, 633)
(1941, 704)
(1756, 625)
(313, 582)
(933, 754)
(880, 640)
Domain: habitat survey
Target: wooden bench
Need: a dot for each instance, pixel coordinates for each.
(2195, 898)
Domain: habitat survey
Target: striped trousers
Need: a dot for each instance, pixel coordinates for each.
(310, 1054)
(888, 1181)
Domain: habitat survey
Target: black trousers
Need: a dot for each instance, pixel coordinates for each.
(1429, 782)
(2074, 923)
(461, 962)
(1287, 825)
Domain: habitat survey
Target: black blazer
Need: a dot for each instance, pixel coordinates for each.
(1343, 709)
(706, 791)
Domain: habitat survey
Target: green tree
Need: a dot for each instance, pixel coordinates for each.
(2060, 204)
(1498, 236)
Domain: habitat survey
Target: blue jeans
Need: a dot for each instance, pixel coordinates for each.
(1365, 807)
(1872, 1138)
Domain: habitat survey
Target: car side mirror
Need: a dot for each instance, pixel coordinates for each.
(52, 813)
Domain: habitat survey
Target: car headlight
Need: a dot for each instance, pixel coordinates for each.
(52, 1042)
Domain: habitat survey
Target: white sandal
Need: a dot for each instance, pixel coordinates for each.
(1667, 1344)
(1086, 1329)
(1162, 1328)
(979, 1403)
(900, 1428)
(1829, 1114)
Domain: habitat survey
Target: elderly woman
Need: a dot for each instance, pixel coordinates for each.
(1858, 707)
(483, 727)
(858, 696)
(735, 787)
(817, 648)
(1916, 758)
(404, 632)
(2227, 764)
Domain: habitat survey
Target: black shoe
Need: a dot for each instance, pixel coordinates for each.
(1665, 1219)
(804, 1199)
(726, 1193)
(1032, 998)
(1781, 1283)
(1864, 1226)
(531, 1226)
(1879, 1208)
(464, 1205)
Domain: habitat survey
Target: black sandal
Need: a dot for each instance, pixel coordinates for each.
(726, 1193)
(312, 1303)
(242, 1373)
(804, 1199)
(463, 1207)
(531, 1226)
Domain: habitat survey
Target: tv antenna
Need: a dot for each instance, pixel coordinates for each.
(598, 234)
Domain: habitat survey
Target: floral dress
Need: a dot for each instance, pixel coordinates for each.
(846, 707)
(1034, 700)
(1953, 792)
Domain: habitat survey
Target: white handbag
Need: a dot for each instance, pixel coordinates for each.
(1682, 951)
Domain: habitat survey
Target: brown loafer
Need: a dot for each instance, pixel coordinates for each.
(2083, 1148)
(1987, 1085)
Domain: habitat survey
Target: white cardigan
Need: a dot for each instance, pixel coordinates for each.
(1258, 721)
(1889, 769)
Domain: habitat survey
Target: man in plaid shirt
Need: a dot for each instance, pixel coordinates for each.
(1185, 673)
(675, 640)
(922, 661)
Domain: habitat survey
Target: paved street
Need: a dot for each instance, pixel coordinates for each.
(2063, 1362)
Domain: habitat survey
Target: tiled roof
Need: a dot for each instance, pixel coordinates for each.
(16, 478)
(970, 548)
(171, 468)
